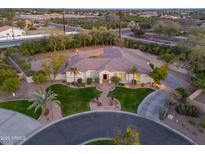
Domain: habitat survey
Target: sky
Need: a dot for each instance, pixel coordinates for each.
(102, 4)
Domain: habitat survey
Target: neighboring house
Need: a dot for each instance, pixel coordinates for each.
(6, 31)
(114, 61)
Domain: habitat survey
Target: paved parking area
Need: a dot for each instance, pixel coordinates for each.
(80, 128)
(15, 127)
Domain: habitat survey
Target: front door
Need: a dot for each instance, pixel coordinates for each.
(105, 78)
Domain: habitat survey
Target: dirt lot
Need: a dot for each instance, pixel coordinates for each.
(187, 125)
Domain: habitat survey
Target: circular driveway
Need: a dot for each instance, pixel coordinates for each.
(79, 128)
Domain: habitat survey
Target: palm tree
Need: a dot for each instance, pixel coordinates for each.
(42, 99)
(133, 71)
(74, 71)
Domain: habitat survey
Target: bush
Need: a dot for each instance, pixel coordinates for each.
(163, 113)
(89, 81)
(115, 80)
(188, 110)
(192, 121)
(79, 80)
(183, 92)
(202, 124)
(40, 77)
(167, 57)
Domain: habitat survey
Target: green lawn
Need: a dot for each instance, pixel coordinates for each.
(20, 106)
(74, 100)
(77, 100)
(102, 142)
(130, 98)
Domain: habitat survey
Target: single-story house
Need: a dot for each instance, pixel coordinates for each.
(114, 61)
(6, 32)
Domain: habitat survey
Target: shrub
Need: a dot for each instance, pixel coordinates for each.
(115, 80)
(202, 124)
(89, 81)
(192, 121)
(79, 80)
(183, 92)
(163, 113)
(188, 110)
(40, 77)
(167, 57)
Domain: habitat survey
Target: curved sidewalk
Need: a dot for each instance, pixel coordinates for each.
(150, 106)
(16, 127)
(83, 127)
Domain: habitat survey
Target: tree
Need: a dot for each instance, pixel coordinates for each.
(137, 31)
(21, 24)
(159, 73)
(40, 77)
(54, 66)
(197, 58)
(167, 27)
(10, 16)
(41, 100)
(86, 38)
(11, 85)
(7, 73)
(133, 71)
(130, 137)
(74, 71)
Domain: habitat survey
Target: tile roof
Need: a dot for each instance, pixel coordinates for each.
(113, 59)
(4, 28)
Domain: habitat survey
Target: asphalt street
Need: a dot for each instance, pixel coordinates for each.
(80, 128)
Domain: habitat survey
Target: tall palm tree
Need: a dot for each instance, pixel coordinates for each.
(133, 71)
(74, 71)
(42, 99)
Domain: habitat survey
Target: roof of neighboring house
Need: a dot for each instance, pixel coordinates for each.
(4, 28)
(113, 59)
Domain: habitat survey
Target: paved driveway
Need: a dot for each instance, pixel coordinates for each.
(151, 105)
(15, 127)
(79, 128)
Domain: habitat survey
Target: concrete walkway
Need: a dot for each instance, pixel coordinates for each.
(150, 106)
(105, 89)
(16, 127)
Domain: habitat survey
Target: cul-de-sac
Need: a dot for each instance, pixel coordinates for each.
(102, 77)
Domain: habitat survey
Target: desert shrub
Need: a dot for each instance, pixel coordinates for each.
(202, 124)
(188, 110)
(163, 113)
(183, 92)
(192, 121)
(89, 81)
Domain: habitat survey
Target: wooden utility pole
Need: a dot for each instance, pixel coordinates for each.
(64, 21)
